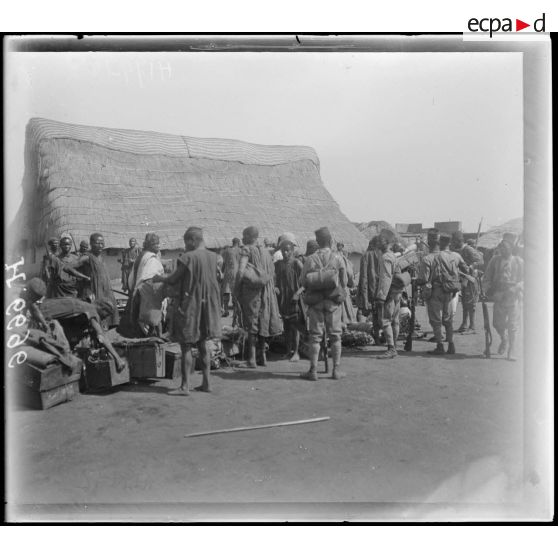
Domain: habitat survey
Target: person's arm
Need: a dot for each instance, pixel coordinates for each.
(37, 316)
(100, 334)
(384, 281)
(171, 279)
(71, 271)
(343, 276)
(488, 277)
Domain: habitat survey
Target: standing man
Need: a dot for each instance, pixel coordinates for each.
(83, 248)
(129, 256)
(92, 265)
(439, 274)
(324, 306)
(255, 291)
(198, 316)
(469, 283)
(367, 279)
(47, 272)
(65, 277)
(388, 300)
(231, 258)
(288, 274)
(503, 282)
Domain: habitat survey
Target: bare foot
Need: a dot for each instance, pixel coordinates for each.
(203, 388)
(245, 365)
(295, 357)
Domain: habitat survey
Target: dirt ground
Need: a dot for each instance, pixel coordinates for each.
(403, 435)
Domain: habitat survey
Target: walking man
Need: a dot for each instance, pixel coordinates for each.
(198, 316)
(324, 304)
(503, 282)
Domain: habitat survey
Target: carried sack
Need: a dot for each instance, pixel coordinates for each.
(325, 279)
(337, 295)
(400, 281)
(255, 277)
(450, 281)
(311, 298)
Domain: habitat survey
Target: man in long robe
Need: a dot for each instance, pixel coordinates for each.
(99, 288)
(259, 309)
(288, 275)
(231, 258)
(198, 315)
(129, 256)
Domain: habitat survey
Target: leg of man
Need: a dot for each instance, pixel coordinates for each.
(334, 329)
(395, 319)
(261, 359)
(448, 311)
(463, 325)
(206, 366)
(499, 321)
(294, 340)
(316, 325)
(387, 327)
(435, 307)
(186, 364)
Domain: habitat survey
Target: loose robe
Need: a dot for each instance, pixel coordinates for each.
(259, 307)
(288, 274)
(197, 316)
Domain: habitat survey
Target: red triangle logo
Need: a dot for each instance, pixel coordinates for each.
(519, 25)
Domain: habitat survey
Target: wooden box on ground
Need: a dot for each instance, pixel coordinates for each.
(101, 373)
(147, 360)
(173, 361)
(42, 388)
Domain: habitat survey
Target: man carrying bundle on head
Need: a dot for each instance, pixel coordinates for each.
(439, 274)
(197, 318)
(388, 298)
(325, 279)
(288, 275)
(255, 291)
(503, 282)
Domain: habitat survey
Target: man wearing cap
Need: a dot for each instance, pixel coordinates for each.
(324, 307)
(469, 284)
(503, 282)
(436, 265)
(255, 290)
(387, 299)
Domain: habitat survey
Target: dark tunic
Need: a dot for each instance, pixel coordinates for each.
(93, 267)
(287, 279)
(231, 257)
(368, 280)
(64, 284)
(260, 311)
(197, 316)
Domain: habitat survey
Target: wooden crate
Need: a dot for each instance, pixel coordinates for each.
(146, 360)
(43, 388)
(102, 374)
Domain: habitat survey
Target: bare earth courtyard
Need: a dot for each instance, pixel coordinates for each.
(418, 429)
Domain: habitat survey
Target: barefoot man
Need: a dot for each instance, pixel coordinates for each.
(198, 313)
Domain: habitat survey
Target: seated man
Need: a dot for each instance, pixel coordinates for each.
(78, 318)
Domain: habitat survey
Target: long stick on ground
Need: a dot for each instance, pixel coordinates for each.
(255, 427)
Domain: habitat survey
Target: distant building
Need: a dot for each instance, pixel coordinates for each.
(448, 226)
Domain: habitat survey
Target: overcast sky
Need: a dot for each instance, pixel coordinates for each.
(401, 137)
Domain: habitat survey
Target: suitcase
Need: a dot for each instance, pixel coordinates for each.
(42, 388)
(146, 360)
(173, 361)
(100, 372)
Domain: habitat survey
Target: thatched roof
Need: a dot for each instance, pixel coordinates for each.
(123, 183)
(492, 237)
(371, 228)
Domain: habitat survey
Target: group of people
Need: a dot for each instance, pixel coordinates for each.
(277, 289)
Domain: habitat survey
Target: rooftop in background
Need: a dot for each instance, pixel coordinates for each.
(124, 183)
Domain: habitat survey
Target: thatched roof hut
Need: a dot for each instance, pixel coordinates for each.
(125, 183)
(491, 238)
(372, 228)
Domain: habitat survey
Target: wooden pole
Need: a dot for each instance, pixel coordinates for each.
(255, 427)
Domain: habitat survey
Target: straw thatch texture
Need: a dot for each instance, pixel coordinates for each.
(123, 183)
(491, 238)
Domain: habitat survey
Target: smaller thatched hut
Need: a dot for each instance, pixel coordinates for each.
(491, 238)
